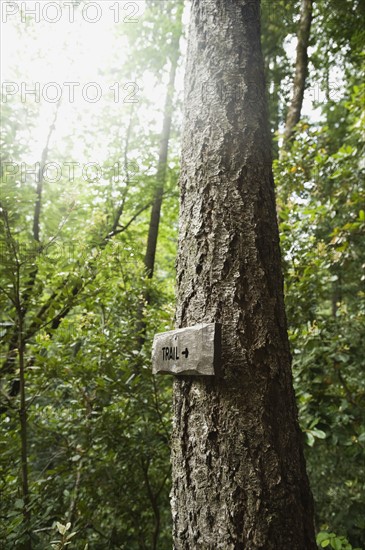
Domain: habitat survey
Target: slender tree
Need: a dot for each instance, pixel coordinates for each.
(301, 69)
(161, 173)
(150, 255)
(239, 479)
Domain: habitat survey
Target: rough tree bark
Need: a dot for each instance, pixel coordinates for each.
(239, 479)
(301, 69)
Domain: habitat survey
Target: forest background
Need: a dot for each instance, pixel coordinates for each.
(91, 121)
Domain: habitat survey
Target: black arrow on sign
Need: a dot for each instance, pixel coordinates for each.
(186, 353)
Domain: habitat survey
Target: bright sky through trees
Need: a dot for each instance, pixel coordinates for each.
(80, 60)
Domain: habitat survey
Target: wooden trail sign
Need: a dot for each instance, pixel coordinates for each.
(189, 351)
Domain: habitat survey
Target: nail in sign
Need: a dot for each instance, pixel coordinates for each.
(188, 351)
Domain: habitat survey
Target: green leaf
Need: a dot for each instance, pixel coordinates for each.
(323, 535)
(319, 433)
(19, 503)
(61, 528)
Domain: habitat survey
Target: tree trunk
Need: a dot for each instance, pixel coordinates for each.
(150, 255)
(301, 69)
(39, 191)
(27, 545)
(239, 479)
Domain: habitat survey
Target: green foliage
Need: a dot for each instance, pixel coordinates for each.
(321, 203)
(65, 538)
(330, 540)
(97, 421)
